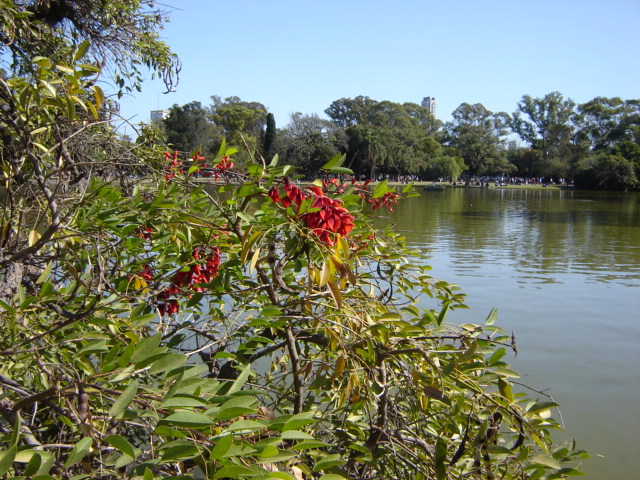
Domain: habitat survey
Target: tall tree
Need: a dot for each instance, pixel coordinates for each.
(187, 128)
(242, 123)
(608, 121)
(269, 135)
(545, 123)
(308, 140)
(478, 136)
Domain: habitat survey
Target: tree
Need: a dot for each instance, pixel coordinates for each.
(608, 121)
(546, 124)
(269, 135)
(606, 172)
(264, 330)
(123, 36)
(242, 123)
(384, 137)
(307, 141)
(477, 135)
(187, 129)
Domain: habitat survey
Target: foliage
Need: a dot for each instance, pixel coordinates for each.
(477, 135)
(187, 129)
(307, 141)
(297, 344)
(120, 35)
(606, 172)
(385, 137)
(270, 135)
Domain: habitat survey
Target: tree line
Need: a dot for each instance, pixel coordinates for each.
(595, 144)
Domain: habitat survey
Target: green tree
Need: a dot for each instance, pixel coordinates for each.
(308, 140)
(606, 172)
(188, 129)
(384, 137)
(269, 135)
(477, 135)
(242, 123)
(548, 125)
(609, 121)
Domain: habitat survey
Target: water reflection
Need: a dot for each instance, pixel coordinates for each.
(563, 268)
(540, 233)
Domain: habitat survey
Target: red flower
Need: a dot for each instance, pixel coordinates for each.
(330, 219)
(327, 218)
(186, 282)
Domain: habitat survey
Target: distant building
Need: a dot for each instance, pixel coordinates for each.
(430, 103)
(157, 116)
(512, 145)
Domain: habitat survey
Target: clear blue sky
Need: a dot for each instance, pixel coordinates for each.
(297, 55)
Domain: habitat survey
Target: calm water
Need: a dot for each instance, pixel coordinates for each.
(563, 269)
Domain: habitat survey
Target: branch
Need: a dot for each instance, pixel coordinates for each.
(295, 367)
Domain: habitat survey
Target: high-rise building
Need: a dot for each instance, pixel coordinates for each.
(157, 116)
(430, 103)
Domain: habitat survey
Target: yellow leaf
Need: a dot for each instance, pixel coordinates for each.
(335, 293)
(34, 236)
(324, 275)
(254, 260)
(340, 364)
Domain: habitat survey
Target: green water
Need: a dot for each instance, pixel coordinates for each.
(563, 269)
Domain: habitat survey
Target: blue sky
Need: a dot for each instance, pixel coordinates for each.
(297, 55)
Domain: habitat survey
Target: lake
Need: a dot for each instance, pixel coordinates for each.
(563, 269)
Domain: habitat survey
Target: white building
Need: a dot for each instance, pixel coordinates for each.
(157, 116)
(430, 103)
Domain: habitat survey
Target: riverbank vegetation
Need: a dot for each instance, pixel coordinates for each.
(595, 145)
(156, 330)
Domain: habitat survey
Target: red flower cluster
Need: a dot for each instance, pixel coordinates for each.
(175, 165)
(327, 218)
(331, 217)
(222, 167)
(187, 281)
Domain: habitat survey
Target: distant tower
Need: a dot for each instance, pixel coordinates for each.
(430, 103)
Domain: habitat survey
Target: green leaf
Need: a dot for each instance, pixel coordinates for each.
(332, 476)
(327, 462)
(505, 389)
(250, 425)
(148, 474)
(6, 459)
(281, 475)
(340, 170)
(168, 361)
(79, 451)
(187, 419)
(309, 444)
(122, 444)
(380, 190)
(146, 348)
(81, 50)
(234, 471)
(336, 161)
(296, 435)
(298, 420)
(546, 460)
(124, 399)
(540, 406)
(493, 315)
(241, 380)
(221, 447)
